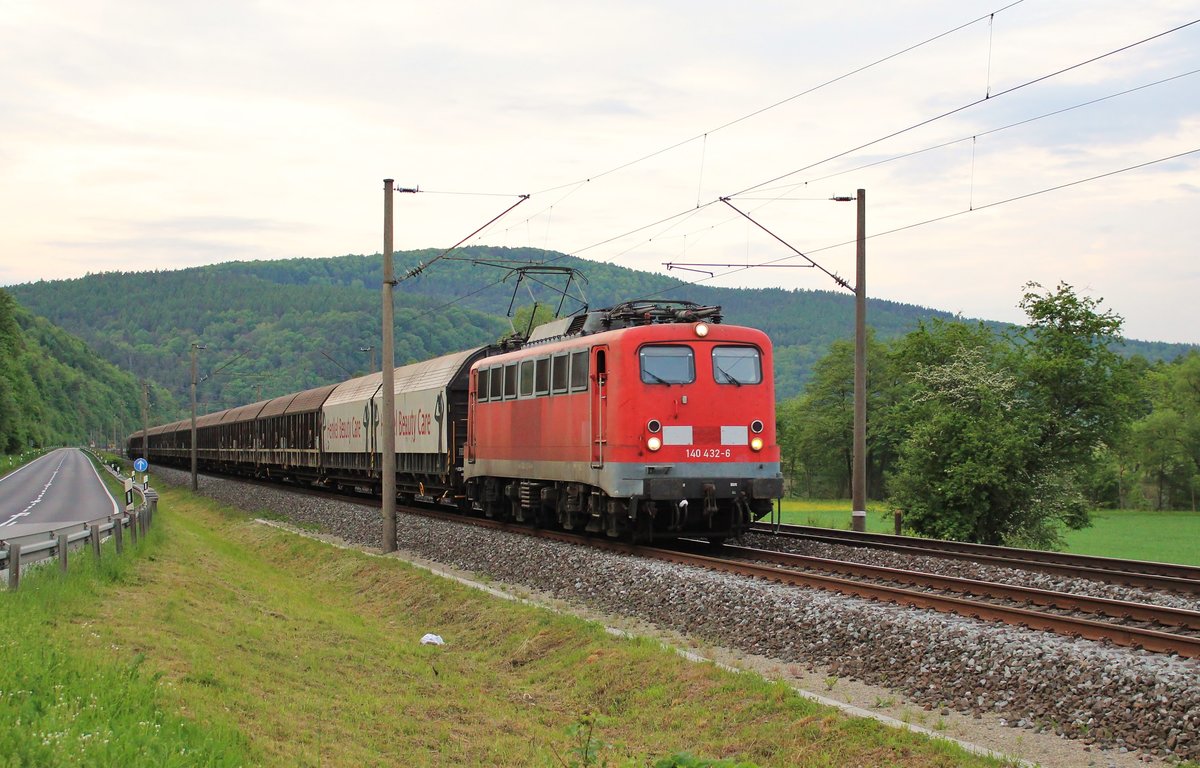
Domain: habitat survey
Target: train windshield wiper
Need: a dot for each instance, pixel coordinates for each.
(656, 377)
(728, 376)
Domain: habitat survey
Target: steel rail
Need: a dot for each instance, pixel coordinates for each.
(1117, 609)
(1139, 573)
(1149, 639)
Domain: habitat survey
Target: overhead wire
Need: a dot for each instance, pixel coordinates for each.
(952, 142)
(422, 266)
(762, 186)
(575, 186)
(935, 219)
(893, 134)
(781, 102)
(969, 105)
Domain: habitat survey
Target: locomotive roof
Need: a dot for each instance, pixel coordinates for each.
(625, 315)
(642, 332)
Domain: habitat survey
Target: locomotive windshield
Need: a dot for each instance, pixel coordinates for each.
(736, 365)
(668, 365)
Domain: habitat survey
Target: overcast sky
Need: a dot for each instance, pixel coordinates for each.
(161, 135)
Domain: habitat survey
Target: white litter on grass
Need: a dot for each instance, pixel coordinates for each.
(432, 639)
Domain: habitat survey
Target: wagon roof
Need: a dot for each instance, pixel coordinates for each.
(162, 428)
(428, 374)
(356, 390)
(208, 419)
(244, 412)
(276, 406)
(438, 372)
(310, 399)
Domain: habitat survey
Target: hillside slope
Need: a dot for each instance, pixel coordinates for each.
(54, 389)
(272, 327)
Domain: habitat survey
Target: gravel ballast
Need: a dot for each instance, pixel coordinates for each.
(1117, 699)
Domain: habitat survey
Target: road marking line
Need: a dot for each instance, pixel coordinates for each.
(25, 513)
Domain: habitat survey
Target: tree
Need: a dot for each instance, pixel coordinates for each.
(965, 470)
(1002, 429)
(816, 430)
(540, 314)
(1073, 377)
(1166, 441)
(11, 428)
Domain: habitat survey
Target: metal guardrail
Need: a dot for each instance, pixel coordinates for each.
(19, 552)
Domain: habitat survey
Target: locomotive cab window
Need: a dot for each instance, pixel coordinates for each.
(673, 364)
(541, 376)
(560, 373)
(736, 365)
(510, 381)
(579, 371)
(526, 378)
(496, 385)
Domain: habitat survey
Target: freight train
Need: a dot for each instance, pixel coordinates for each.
(646, 420)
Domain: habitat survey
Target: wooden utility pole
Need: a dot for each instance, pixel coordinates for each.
(388, 417)
(858, 477)
(145, 419)
(195, 346)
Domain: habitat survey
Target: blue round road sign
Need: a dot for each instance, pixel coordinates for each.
(140, 465)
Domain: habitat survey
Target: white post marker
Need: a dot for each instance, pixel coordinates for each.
(128, 494)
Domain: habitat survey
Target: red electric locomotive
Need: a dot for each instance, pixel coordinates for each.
(644, 421)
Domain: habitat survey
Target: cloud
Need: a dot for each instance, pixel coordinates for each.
(145, 133)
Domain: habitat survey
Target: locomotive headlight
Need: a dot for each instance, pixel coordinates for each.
(701, 329)
(756, 444)
(654, 443)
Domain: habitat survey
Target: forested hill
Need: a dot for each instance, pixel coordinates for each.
(54, 390)
(272, 327)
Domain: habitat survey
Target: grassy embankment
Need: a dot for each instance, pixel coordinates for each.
(220, 641)
(11, 462)
(1171, 537)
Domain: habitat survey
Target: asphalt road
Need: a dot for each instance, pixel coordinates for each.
(58, 489)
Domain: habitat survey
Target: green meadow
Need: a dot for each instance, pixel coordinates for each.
(1170, 537)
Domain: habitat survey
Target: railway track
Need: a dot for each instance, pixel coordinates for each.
(1156, 628)
(1153, 628)
(1135, 573)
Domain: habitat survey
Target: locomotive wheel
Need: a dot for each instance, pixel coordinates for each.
(641, 532)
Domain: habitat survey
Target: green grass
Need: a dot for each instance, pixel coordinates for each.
(60, 706)
(239, 643)
(1171, 537)
(11, 462)
(834, 513)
